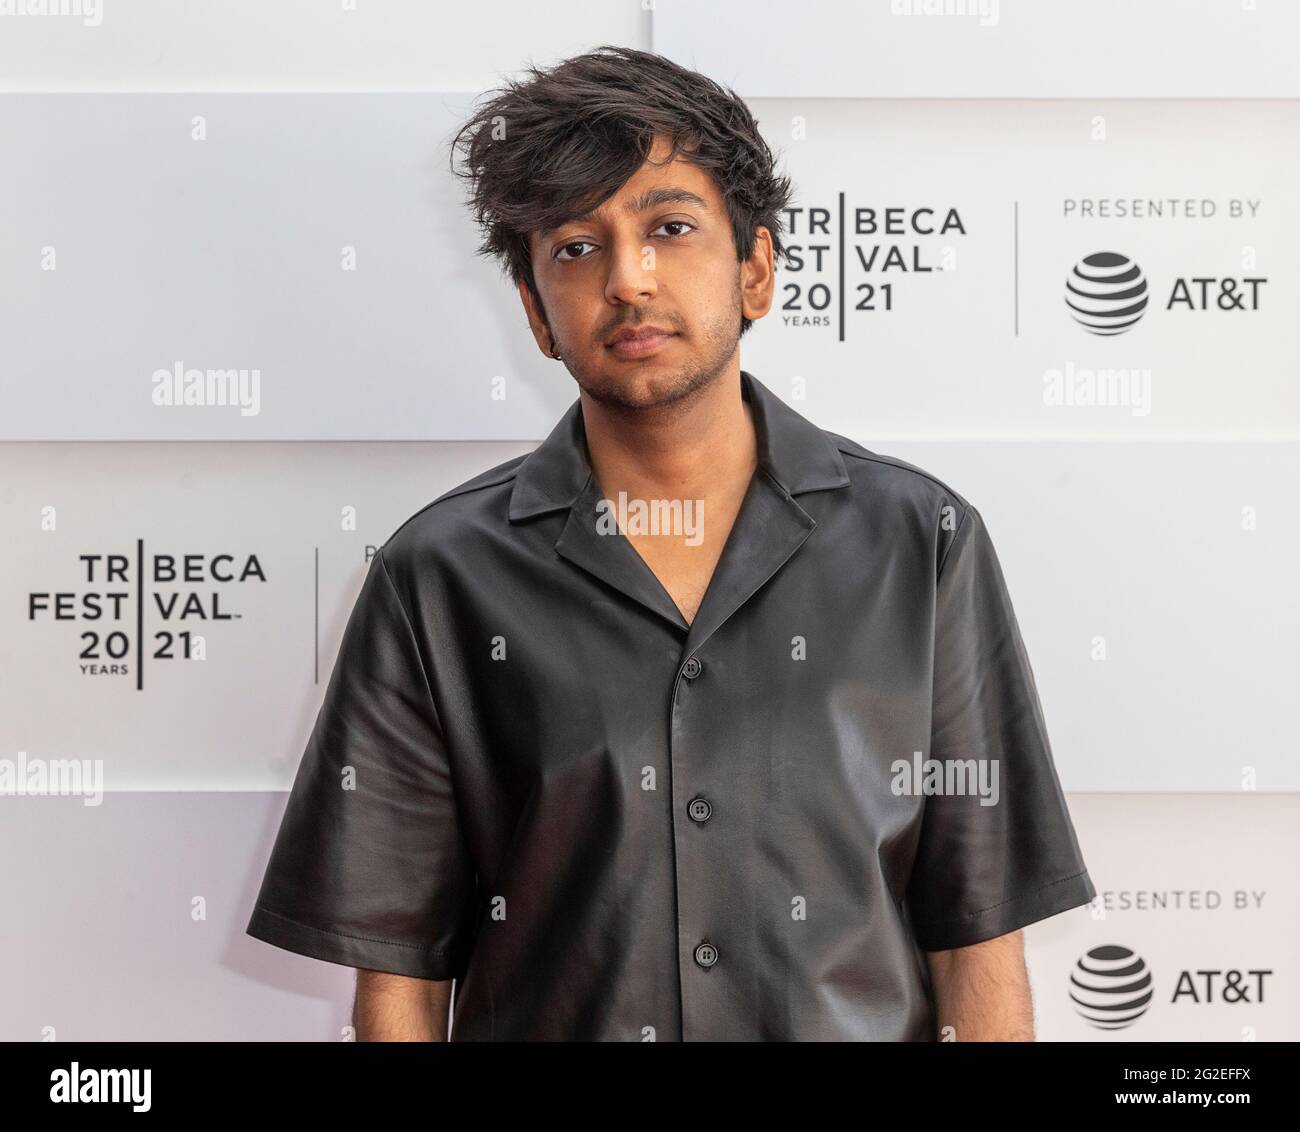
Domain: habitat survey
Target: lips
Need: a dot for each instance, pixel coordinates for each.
(641, 343)
(630, 335)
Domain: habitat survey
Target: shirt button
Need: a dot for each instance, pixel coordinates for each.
(706, 954)
(699, 809)
(692, 668)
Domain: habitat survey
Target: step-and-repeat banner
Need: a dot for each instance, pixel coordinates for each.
(1033, 250)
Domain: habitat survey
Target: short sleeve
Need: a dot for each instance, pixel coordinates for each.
(982, 870)
(369, 867)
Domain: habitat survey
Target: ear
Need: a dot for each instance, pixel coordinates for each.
(758, 277)
(536, 315)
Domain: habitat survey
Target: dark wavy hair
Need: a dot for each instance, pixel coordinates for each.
(557, 144)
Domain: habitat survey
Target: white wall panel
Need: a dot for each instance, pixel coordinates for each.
(988, 48)
(266, 45)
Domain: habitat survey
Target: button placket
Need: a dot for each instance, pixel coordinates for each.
(698, 904)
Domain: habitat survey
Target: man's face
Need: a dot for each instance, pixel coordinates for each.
(659, 253)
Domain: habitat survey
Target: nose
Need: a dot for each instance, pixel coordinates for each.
(631, 271)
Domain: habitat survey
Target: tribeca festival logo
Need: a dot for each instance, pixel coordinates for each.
(681, 517)
(184, 591)
(844, 261)
(91, 12)
(181, 387)
(956, 777)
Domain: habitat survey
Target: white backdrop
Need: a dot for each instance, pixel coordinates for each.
(1163, 541)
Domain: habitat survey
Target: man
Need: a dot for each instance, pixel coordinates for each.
(622, 734)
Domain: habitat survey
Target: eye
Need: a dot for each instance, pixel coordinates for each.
(565, 247)
(677, 224)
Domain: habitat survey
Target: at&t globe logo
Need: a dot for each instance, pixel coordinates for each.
(1106, 293)
(1111, 987)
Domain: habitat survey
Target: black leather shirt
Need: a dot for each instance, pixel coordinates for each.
(529, 773)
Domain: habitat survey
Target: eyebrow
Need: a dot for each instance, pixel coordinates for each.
(651, 198)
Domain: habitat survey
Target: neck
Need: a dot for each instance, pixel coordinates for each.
(704, 447)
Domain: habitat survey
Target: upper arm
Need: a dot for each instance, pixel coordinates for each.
(988, 862)
(370, 867)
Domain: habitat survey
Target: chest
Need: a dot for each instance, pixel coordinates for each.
(683, 571)
(804, 693)
(684, 562)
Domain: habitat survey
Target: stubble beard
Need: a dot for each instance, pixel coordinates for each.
(675, 390)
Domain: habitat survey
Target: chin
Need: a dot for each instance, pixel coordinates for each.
(641, 387)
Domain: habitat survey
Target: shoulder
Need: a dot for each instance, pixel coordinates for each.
(895, 480)
(904, 497)
(471, 510)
